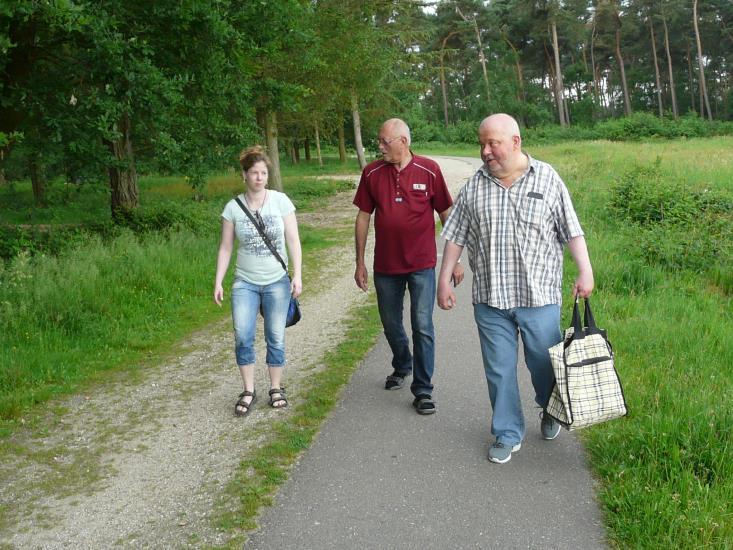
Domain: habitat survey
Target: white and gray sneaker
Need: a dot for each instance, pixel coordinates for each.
(501, 453)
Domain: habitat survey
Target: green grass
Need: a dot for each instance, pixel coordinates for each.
(666, 470)
(107, 304)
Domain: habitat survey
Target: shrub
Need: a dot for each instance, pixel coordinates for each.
(673, 225)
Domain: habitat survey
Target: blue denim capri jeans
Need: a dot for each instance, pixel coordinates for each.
(246, 300)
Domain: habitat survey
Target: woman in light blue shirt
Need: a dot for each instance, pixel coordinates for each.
(260, 282)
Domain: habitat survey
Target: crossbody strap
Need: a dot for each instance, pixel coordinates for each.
(262, 233)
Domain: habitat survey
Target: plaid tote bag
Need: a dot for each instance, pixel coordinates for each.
(587, 388)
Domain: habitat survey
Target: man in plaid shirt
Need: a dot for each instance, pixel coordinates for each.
(514, 216)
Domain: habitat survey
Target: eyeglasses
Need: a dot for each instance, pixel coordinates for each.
(385, 142)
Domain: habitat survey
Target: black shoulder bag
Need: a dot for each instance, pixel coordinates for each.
(294, 307)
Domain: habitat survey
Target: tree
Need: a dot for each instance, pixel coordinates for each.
(700, 63)
(620, 58)
(669, 68)
(657, 78)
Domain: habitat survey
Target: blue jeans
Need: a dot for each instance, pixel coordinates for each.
(390, 298)
(246, 300)
(497, 330)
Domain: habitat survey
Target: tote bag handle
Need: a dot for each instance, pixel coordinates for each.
(581, 329)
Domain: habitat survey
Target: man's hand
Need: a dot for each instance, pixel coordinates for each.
(457, 276)
(361, 276)
(446, 296)
(584, 284)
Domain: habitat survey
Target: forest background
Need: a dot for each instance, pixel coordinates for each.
(106, 90)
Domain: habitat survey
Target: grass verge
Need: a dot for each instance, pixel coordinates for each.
(259, 476)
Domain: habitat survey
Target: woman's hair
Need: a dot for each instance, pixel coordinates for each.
(251, 155)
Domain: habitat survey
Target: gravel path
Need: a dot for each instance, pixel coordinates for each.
(143, 462)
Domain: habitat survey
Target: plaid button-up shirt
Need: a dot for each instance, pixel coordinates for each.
(514, 236)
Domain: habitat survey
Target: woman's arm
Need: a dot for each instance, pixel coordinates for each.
(222, 259)
(292, 238)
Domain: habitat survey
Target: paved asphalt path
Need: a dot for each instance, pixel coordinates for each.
(381, 476)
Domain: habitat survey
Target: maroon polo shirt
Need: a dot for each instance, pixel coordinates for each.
(404, 201)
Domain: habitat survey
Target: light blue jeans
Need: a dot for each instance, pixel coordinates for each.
(498, 330)
(246, 300)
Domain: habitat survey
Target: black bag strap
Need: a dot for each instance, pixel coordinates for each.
(265, 238)
(588, 322)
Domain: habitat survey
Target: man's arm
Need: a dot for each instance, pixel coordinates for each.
(361, 229)
(584, 282)
(458, 272)
(451, 254)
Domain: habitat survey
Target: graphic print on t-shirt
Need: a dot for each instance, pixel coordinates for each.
(252, 240)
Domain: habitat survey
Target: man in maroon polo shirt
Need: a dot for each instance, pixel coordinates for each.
(404, 190)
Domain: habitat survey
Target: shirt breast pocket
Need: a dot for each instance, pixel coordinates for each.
(419, 200)
(533, 213)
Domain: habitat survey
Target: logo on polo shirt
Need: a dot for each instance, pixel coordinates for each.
(419, 187)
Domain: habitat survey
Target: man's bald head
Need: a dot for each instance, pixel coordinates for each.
(394, 142)
(502, 123)
(397, 128)
(501, 145)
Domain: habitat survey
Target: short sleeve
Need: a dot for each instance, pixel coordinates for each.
(457, 225)
(285, 205)
(441, 197)
(228, 212)
(363, 198)
(567, 224)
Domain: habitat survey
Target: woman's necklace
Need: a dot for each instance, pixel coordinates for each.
(251, 203)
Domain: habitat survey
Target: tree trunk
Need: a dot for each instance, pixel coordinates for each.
(622, 70)
(290, 146)
(275, 180)
(656, 69)
(703, 86)
(318, 145)
(296, 151)
(550, 75)
(521, 96)
(558, 76)
(482, 59)
(669, 68)
(690, 76)
(122, 175)
(481, 56)
(443, 87)
(37, 180)
(357, 129)
(596, 83)
(342, 143)
(307, 148)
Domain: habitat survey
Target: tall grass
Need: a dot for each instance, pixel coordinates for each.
(103, 302)
(658, 223)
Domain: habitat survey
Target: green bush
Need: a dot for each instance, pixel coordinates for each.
(38, 240)
(672, 224)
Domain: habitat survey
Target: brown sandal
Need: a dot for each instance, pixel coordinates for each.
(242, 407)
(280, 392)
